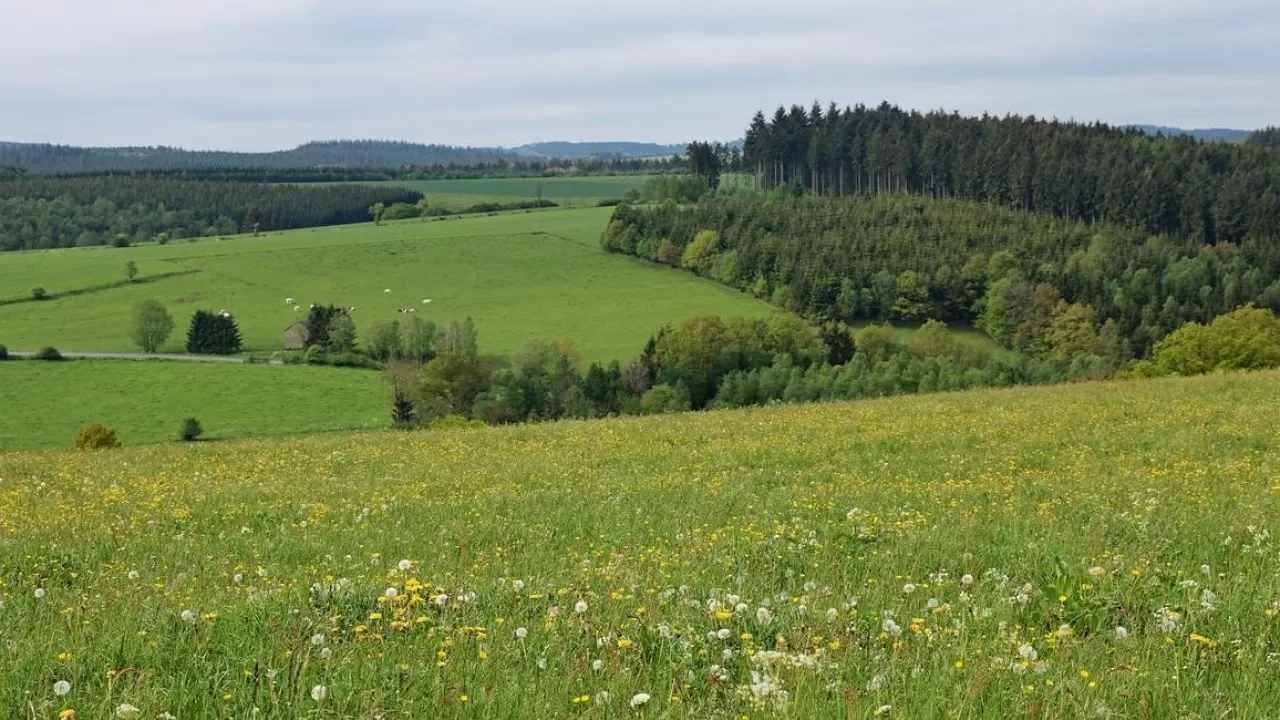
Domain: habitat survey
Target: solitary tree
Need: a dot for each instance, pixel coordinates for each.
(152, 325)
(375, 211)
(131, 270)
(213, 334)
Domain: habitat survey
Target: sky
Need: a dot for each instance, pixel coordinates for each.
(270, 74)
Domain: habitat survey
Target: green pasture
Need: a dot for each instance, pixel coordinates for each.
(565, 191)
(521, 276)
(45, 403)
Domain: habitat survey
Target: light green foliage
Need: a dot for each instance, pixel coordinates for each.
(1246, 339)
(664, 399)
(1074, 331)
(522, 277)
(383, 342)
(1008, 535)
(698, 253)
(145, 400)
(152, 325)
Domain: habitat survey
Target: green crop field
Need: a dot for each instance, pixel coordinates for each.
(45, 403)
(522, 276)
(1066, 552)
(566, 191)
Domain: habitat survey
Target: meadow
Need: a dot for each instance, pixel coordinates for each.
(45, 403)
(521, 276)
(1076, 551)
(566, 191)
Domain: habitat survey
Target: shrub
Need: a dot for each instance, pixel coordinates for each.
(38, 293)
(120, 241)
(96, 437)
(47, 353)
(664, 399)
(4, 353)
(1246, 339)
(191, 430)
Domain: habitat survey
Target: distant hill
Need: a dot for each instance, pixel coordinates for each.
(574, 150)
(1206, 134)
(46, 159)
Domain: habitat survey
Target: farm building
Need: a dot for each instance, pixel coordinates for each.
(296, 336)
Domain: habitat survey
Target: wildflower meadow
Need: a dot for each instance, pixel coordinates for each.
(1093, 550)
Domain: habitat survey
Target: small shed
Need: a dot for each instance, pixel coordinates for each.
(296, 336)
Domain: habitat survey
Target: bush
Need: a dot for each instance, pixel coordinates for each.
(664, 399)
(120, 241)
(191, 430)
(4, 353)
(47, 353)
(38, 293)
(1246, 339)
(96, 437)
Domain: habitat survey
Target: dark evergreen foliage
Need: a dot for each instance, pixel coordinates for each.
(42, 213)
(1208, 192)
(213, 334)
(910, 259)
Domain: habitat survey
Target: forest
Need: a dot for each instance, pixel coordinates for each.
(1210, 192)
(40, 213)
(912, 259)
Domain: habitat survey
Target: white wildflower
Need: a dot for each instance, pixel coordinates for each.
(317, 639)
(639, 700)
(125, 710)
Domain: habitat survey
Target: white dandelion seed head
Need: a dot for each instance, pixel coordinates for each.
(597, 665)
(764, 616)
(392, 593)
(603, 697)
(517, 584)
(1026, 652)
(1205, 570)
(318, 692)
(580, 607)
(238, 578)
(724, 633)
(39, 593)
(884, 710)
(188, 616)
(133, 574)
(522, 633)
(1121, 632)
(62, 687)
(404, 565)
(932, 604)
(317, 639)
(908, 588)
(1096, 572)
(966, 579)
(640, 700)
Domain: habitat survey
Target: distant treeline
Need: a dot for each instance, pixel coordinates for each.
(41, 213)
(50, 159)
(1208, 192)
(342, 160)
(911, 259)
(302, 175)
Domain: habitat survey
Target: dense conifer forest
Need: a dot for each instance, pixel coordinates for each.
(39, 213)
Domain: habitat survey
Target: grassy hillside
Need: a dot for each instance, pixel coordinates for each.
(567, 191)
(1079, 551)
(521, 276)
(46, 403)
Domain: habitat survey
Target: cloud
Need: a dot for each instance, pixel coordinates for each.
(246, 74)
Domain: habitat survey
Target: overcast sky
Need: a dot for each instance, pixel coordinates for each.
(269, 74)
